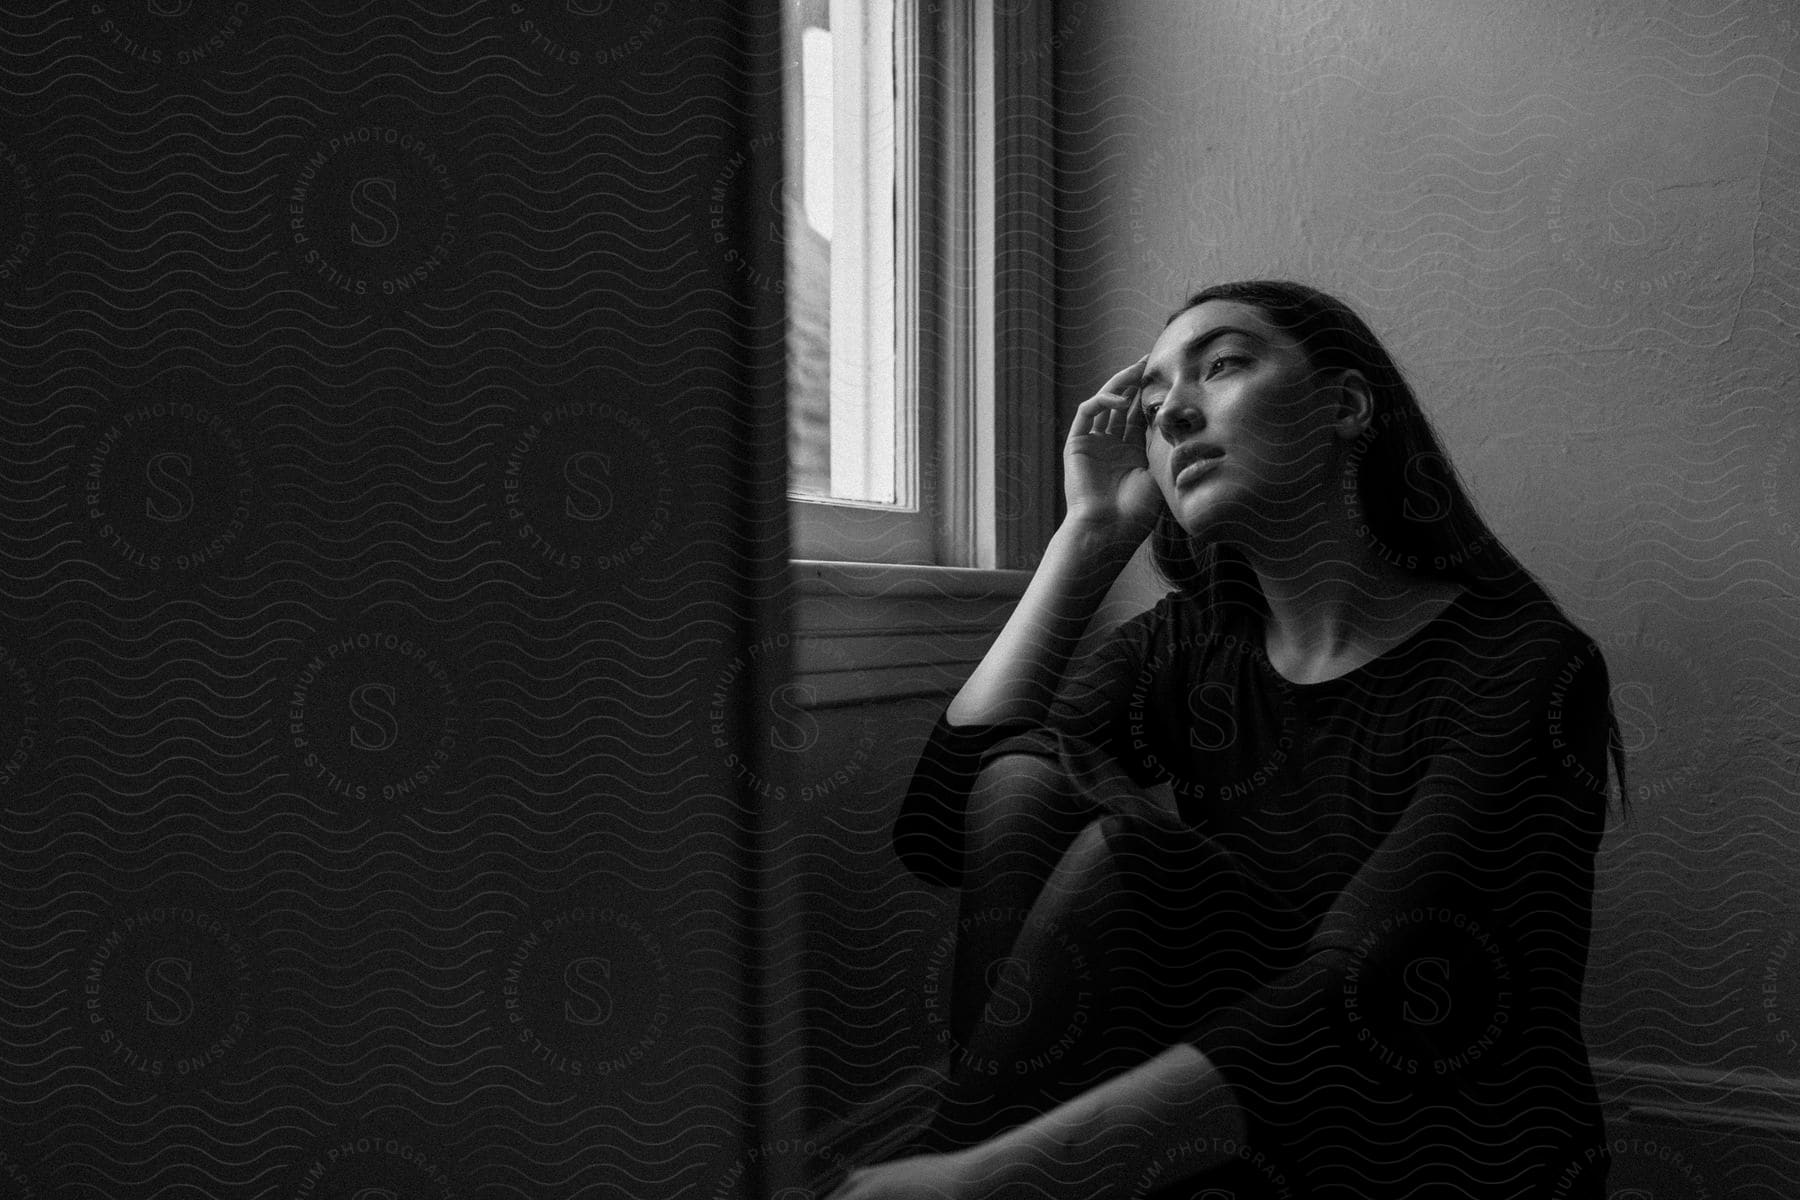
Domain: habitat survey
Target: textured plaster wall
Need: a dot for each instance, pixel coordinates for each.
(1574, 222)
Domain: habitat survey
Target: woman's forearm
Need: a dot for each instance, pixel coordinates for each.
(1167, 1119)
(1019, 674)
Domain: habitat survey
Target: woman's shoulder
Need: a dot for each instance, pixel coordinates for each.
(1521, 625)
(1533, 698)
(1520, 648)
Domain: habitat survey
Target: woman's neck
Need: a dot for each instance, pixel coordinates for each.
(1334, 613)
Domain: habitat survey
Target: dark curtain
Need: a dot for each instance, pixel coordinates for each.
(394, 531)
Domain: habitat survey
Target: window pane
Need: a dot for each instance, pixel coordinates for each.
(839, 235)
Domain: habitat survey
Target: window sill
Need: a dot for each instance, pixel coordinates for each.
(873, 632)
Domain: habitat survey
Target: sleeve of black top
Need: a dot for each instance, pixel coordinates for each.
(1499, 810)
(928, 831)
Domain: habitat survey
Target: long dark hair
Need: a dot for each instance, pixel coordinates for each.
(1412, 504)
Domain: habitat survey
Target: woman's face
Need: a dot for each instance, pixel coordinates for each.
(1227, 390)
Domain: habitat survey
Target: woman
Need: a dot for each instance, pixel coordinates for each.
(1285, 889)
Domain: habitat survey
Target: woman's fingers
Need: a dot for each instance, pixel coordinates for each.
(1097, 413)
(1108, 410)
(1126, 378)
(1134, 418)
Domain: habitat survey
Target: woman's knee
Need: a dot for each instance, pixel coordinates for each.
(1024, 794)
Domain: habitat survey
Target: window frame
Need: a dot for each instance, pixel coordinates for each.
(974, 311)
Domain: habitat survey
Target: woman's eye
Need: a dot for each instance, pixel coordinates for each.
(1214, 365)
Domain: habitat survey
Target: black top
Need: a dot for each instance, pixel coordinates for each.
(1421, 833)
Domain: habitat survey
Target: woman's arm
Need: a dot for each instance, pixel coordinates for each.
(1112, 503)
(1019, 684)
(1163, 1121)
(1167, 1119)
(928, 830)
(1018, 677)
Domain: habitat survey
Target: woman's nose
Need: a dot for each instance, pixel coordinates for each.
(1177, 414)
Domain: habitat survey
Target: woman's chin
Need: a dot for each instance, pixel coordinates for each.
(1199, 512)
(1200, 522)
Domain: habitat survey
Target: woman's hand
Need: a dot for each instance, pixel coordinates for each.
(919, 1177)
(1106, 470)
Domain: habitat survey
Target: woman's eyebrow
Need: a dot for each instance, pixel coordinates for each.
(1194, 345)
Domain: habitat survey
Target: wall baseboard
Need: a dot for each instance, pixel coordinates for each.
(1741, 1099)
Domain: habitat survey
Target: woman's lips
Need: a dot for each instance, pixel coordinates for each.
(1196, 470)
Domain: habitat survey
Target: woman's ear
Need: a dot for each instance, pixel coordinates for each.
(1356, 404)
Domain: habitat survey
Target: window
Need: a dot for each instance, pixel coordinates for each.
(847, 441)
(916, 154)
